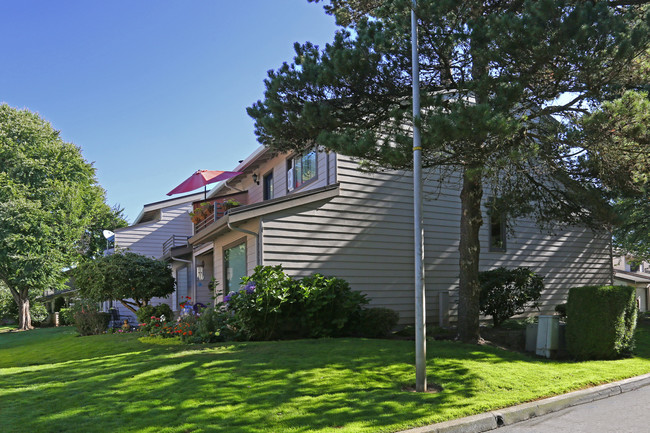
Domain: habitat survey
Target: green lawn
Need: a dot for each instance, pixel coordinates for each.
(54, 381)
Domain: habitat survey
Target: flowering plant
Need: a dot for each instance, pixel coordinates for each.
(190, 308)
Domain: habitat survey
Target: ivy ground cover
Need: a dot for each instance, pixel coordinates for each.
(53, 381)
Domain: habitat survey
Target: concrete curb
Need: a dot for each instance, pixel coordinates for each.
(511, 415)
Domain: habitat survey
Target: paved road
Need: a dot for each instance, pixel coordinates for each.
(624, 413)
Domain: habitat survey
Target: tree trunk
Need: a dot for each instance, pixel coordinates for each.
(133, 310)
(469, 248)
(24, 316)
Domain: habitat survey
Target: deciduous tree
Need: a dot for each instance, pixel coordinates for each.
(48, 196)
(131, 278)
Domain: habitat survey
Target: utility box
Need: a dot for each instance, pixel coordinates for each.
(548, 330)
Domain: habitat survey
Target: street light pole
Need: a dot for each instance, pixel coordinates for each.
(420, 310)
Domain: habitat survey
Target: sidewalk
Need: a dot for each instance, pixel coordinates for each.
(511, 415)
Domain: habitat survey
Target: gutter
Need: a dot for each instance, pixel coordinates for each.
(180, 260)
(247, 212)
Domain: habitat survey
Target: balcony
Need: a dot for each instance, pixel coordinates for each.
(208, 211)
(174, 242)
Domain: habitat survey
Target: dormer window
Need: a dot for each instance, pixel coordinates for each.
(301, 169)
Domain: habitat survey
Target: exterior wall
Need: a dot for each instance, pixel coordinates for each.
(325, 173)
(203, 293)
(365, 235)
(229, 239)
(148, 238)
(623, 263)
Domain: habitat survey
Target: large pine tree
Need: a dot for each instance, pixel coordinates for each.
(505, 84)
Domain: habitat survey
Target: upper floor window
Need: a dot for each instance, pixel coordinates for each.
(302, 169)
(268, 186)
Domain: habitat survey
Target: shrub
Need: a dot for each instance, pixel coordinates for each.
(506, 292)
(377, 322)
(328, 307)
(560, 309)
(66, 316)
(264, 308)
(272, 305)
(39, 313)
(601, 321)
(148, 312)
(212, 326)
(90, 322)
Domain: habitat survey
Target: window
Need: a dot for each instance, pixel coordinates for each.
(234, 265)
(268, 186)
(302, 169)
(497, 229)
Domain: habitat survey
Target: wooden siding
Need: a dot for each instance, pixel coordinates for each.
(230, 239)
(148, 238)
(278, 165)
(365, 236)
(203, 294)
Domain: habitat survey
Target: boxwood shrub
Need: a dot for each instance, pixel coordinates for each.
(601, 321)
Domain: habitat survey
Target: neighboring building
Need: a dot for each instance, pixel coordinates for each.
(317, 212)
(161, 231)
(630, 272)
(630, 264)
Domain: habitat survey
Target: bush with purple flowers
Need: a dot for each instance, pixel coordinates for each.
(272, 305)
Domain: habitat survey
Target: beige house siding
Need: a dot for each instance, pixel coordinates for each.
(365, 235)
(326, 166)
(229, 239)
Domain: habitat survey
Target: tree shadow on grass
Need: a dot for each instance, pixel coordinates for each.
(337, 385)
(301, 386)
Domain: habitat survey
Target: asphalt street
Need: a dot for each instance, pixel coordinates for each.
(625, 412)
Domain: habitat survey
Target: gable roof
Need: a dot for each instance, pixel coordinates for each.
(635, 277)
(151, 211)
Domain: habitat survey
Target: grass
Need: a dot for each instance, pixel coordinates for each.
(7, 328)
(53, 381)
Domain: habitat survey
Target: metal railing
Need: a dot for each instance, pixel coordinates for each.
(219, 209)
(174, 241)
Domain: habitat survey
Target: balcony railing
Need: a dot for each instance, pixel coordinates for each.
(215, 209)
(174, 241)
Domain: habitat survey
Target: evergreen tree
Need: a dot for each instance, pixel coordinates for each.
(505, 85)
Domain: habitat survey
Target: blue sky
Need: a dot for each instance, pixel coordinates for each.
(151, 90)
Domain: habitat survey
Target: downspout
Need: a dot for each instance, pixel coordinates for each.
(248, 232)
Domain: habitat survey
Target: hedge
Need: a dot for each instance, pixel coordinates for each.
(601, 321)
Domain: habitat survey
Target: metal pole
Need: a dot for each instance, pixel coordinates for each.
(420, 310)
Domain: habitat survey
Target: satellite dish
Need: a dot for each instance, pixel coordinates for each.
(108, 234)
